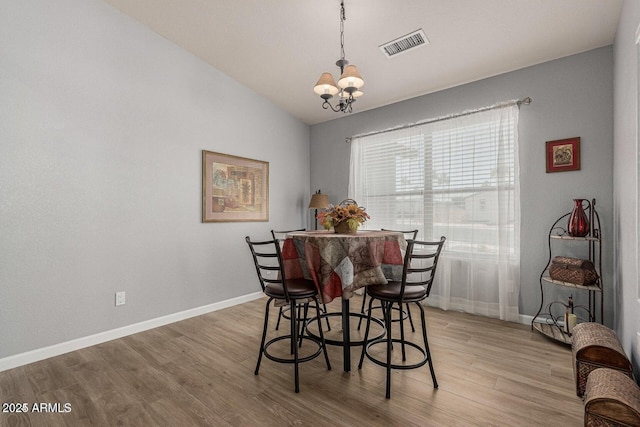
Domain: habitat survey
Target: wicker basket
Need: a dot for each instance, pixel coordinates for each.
(573, 270)
(596, 346)
(343, 227)
(611, 399)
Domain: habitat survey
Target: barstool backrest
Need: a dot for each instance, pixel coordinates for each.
(267, 258)
(408, 234)
(420, 262)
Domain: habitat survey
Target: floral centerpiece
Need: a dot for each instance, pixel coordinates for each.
(346, 217)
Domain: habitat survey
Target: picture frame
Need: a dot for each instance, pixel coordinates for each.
(234, 188)
(563, 155)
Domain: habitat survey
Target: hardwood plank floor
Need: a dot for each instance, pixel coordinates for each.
(200, 372)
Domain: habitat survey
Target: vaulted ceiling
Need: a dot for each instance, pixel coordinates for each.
(279, 48)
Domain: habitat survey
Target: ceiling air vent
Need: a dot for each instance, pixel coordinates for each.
(404, 43)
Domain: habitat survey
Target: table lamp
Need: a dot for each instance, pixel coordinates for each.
(318, 201)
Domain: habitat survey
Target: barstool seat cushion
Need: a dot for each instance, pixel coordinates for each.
(297, 288)
(391, 291)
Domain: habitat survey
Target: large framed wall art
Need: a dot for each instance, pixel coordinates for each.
(234, 188)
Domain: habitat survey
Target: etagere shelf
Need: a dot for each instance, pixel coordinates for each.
(549, 320)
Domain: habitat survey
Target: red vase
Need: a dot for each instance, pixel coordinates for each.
(578, 222)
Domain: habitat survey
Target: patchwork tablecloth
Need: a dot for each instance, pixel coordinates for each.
(341, 263)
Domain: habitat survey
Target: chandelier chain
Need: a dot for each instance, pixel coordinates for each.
(342, 19)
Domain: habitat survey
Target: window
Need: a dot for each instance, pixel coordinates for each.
(455, 177)
(441, 178)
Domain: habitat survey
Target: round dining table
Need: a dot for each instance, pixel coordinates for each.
(340, 264)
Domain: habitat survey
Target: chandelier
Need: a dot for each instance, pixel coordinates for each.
(349, 84)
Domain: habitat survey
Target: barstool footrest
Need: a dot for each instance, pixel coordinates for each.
(292, 360)
(378, 362)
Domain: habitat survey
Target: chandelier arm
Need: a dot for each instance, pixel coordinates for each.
(345, 105)
(326, 105)
(348, 105)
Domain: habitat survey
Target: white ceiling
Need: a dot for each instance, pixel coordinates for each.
(279, 48)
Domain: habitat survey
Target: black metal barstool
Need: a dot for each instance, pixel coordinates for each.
(280, 235)
(408, 235)
(267, 258)
(420, 262)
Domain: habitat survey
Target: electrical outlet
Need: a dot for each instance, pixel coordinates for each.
(120, 298)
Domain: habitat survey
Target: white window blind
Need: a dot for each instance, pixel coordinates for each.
(456, 177)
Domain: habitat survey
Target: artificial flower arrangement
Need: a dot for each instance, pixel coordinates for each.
(347, 212)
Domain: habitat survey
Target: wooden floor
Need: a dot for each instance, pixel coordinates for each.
(200, 372)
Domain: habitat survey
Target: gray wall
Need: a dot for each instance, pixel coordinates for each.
(572, 96)
(102, 123)
(626, 56)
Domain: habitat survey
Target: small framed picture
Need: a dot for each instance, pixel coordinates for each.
(234, 188)
(563, 155)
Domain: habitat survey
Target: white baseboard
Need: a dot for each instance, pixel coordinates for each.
(525, 319)
(79, 343)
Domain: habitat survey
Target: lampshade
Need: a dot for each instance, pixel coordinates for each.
(326, 85)
(351, 77)
(346, 93)
(319, 201)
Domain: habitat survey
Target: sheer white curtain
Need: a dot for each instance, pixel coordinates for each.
(455, 177)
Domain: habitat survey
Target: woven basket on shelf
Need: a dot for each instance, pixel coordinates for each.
(573, 270)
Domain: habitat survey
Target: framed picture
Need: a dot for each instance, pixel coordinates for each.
(234, 188)
(563, 155)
